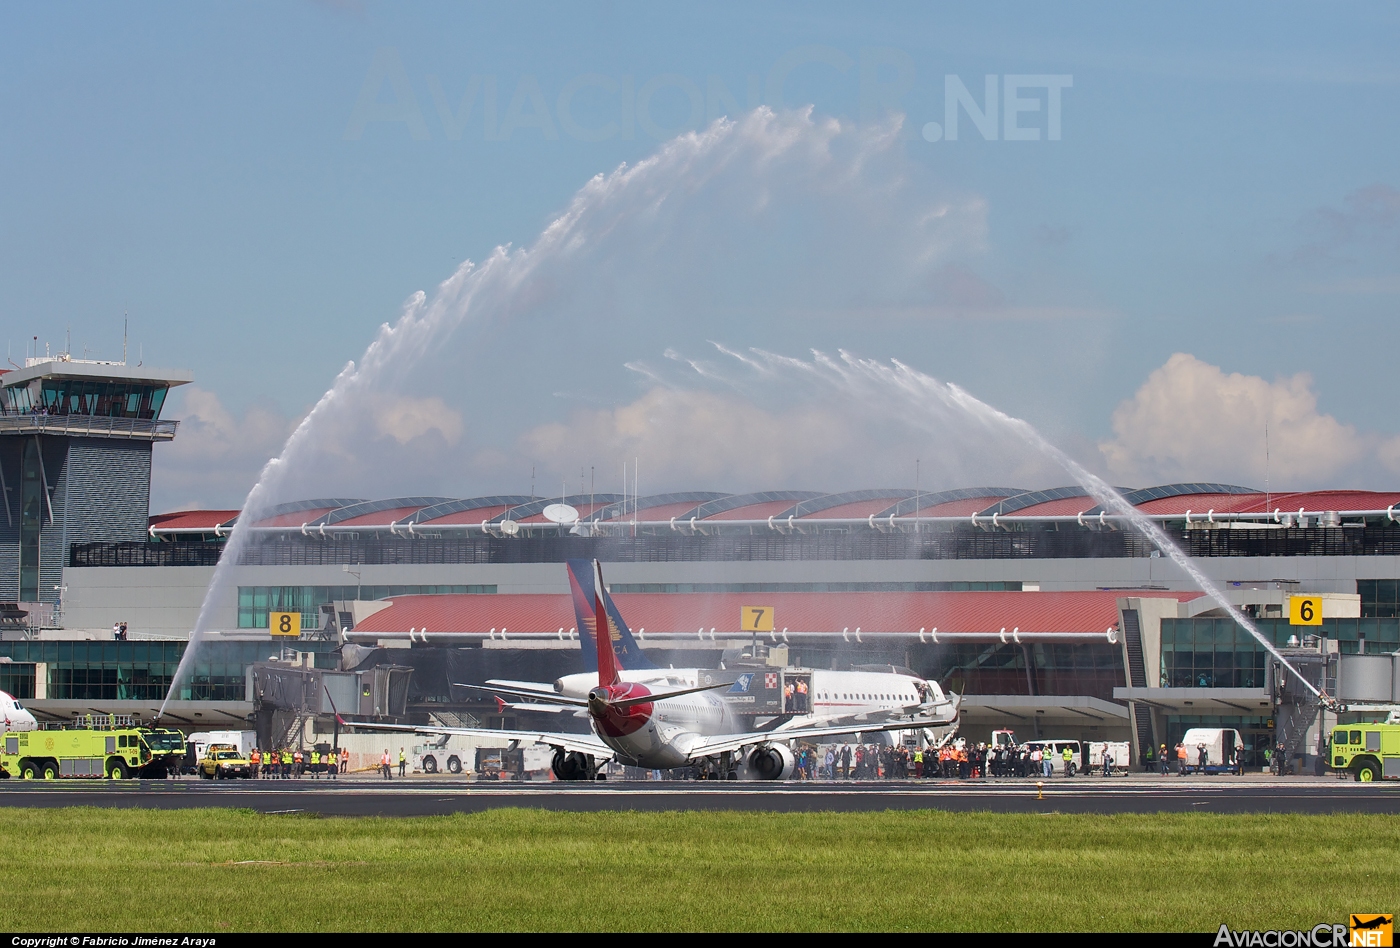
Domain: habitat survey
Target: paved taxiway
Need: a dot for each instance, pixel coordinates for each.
(434, 796)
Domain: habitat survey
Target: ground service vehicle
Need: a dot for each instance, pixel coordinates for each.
(1223, 747)
(117, 752)
(224, 762)
(167, 748)
(1369, 751)
(1118, 750)
(436, 757)
(1056, 750)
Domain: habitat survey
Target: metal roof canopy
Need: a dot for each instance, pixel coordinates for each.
(364, 507)
(449, 507)
(721, 505)
(1143, 495)
(934, 498)
(97, 371)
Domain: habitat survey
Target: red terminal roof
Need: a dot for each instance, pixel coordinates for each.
(584, 511)
(752, 512)
(1201, 503)
(1326, 500)
(1063, 507)
(296, 518)
(475, 515)
(960, 508)
(659, 512)
(192, 519)
(856, 509)
(380, 518)
(872, 612)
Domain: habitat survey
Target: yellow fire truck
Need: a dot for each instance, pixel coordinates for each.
(1369, 751)
(112, 748)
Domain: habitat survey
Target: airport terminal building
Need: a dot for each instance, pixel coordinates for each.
(1048, 613)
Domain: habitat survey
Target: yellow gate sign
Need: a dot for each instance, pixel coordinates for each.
(284, 623)
(1305, 610)
(756, 618)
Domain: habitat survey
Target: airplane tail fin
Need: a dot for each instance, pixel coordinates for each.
(625, 648)
(608, 665)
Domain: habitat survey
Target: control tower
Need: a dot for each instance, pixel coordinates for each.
(75, 463)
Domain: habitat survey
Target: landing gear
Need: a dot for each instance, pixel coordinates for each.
(569, 765)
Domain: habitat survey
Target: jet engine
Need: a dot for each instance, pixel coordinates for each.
(771, 762)
(572, 765)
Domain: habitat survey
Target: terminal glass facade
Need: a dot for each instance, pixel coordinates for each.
(1219, 653)
(255, 602)
(1043, 669)
(142, 671)
(1380, 598)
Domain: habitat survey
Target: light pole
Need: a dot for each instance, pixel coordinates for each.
(355, 573)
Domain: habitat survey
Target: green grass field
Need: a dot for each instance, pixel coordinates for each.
(221, 870)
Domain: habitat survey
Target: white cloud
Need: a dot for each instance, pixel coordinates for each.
(404, 418)
(1192, 421)
(701, 439)
(215, 457)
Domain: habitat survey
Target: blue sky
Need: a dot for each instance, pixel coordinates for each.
(1224, 187)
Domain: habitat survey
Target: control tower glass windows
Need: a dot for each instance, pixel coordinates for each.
(31, 520)
(98, 397)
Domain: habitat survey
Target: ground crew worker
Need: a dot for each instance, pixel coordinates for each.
(345, 760)
(315, 764)
(403, 763)
(384, 765)
(1069, 760)
(1181, 760)
(1165, 763)
(286, 763)
(254, 759)
(297, 763)
(331, 769)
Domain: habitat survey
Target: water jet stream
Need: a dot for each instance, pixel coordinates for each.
(916, 389)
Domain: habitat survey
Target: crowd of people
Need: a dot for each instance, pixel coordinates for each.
(955, 760)
(288, 763)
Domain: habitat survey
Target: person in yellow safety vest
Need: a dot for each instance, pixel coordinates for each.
(1069, 759)
(286, 763)
(403, 763)
(315, 764)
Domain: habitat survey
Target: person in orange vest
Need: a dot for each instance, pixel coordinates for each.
(1181, 760)
(345, 760)
(297, 763)
(254, 759)
(385, 766)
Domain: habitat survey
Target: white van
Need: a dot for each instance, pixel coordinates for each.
(245, 741)
(1224, 750)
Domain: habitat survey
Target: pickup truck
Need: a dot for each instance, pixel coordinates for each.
(224, 762)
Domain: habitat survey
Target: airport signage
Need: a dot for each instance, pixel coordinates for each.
(284, 623)
(756, 618)
(1305, 610)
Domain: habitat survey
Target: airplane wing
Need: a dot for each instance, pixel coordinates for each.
(583, 743)
(729, 742)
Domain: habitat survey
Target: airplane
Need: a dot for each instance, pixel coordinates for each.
(14, 716)
(858, 696)
(666, 728)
